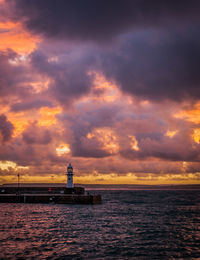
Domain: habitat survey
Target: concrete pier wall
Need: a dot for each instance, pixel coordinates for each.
(50, 198)
(50, 189)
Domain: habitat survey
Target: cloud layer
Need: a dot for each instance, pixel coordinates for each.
(102, 20)
(112, 86)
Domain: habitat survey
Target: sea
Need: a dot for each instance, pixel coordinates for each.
(129, 224)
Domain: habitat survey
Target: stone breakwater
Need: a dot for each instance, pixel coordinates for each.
(50, 198)
(46, 194)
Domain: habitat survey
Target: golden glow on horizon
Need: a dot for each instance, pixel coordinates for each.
(48, 116)
(63, 149)
(107, 138)
(26, 178)
(134, 143)
(171, 134)
(109, 178)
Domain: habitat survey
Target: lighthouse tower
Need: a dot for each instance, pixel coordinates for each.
(70, 174)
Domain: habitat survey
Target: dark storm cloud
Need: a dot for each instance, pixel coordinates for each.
(156, 65)
(88, 119)
(35, 104)
(5, 11)
(22, 154)
(195, 167)
(158, 60)
(179, 148)
(36, 135)
(6, 129)
(69, 74)
(151, 64)
(11, 76)
(34, 147)
(101, 19)
(150, 133)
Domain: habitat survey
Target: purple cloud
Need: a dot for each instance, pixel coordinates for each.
(6, 128)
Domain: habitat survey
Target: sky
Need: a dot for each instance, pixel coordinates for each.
(111, 86)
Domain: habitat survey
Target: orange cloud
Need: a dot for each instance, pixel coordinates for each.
(62, 149)
(171, 134)
(40, 85)
(196, 135)
(107, 137)
(192, 115)
(5, 165)
(14, 36)
(48, 116)
(134, 143)
(45, 117)
(19, 122)
(90, 171)
(104, 90)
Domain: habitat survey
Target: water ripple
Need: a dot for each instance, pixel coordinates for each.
(128, 225)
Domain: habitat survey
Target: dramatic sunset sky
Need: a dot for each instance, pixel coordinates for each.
(111, 86)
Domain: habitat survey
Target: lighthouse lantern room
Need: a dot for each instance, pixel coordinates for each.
(70, 174)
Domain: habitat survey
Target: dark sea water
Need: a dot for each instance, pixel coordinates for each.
(127, 225)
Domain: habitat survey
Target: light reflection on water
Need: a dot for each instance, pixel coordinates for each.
(128, 224)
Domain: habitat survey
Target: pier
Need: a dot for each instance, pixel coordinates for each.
(48, 193)
(50, 198)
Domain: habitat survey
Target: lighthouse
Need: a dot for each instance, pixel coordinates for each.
(70, 174)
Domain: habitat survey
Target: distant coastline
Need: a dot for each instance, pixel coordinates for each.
(141, 187)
